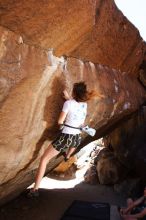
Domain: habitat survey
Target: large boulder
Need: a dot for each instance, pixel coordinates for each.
(109, 170)
(31, 100)
(93, 30)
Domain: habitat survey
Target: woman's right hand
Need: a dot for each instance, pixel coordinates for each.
(66, 95)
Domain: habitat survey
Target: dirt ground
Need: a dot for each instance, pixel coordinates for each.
(52, 202)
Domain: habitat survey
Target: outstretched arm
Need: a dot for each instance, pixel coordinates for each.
(132, 205)
(138, 201)
(136, 216)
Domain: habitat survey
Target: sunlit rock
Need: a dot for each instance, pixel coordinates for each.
(26, 80)
(117, 90)
(87, 29)
(31, 86)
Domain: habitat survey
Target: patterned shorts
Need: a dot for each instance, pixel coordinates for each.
(64, 141)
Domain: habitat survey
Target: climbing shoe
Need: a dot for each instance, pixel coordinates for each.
(33, 193)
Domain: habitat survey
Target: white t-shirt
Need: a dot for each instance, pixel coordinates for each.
(76, 114)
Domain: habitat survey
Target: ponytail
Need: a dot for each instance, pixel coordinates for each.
(80, 93)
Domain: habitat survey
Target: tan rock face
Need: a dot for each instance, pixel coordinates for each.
(25, 76)
(113, 41)
(93, 30)
(50, 24)
(31, 100)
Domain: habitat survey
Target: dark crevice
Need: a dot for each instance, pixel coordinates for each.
(98, 10)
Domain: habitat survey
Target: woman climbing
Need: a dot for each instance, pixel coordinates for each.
(73, 114)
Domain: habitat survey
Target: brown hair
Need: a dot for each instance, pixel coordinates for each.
(80, 93)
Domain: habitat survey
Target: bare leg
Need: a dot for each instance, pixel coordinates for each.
(70, 151)
(49, 153)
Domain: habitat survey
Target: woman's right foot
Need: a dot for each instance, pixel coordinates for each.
(66, 159)
(33, 193)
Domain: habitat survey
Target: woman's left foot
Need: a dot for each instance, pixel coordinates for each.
(65, 156)
(66, 159)
(33, 193)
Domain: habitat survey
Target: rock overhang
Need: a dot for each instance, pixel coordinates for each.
(93, 30)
